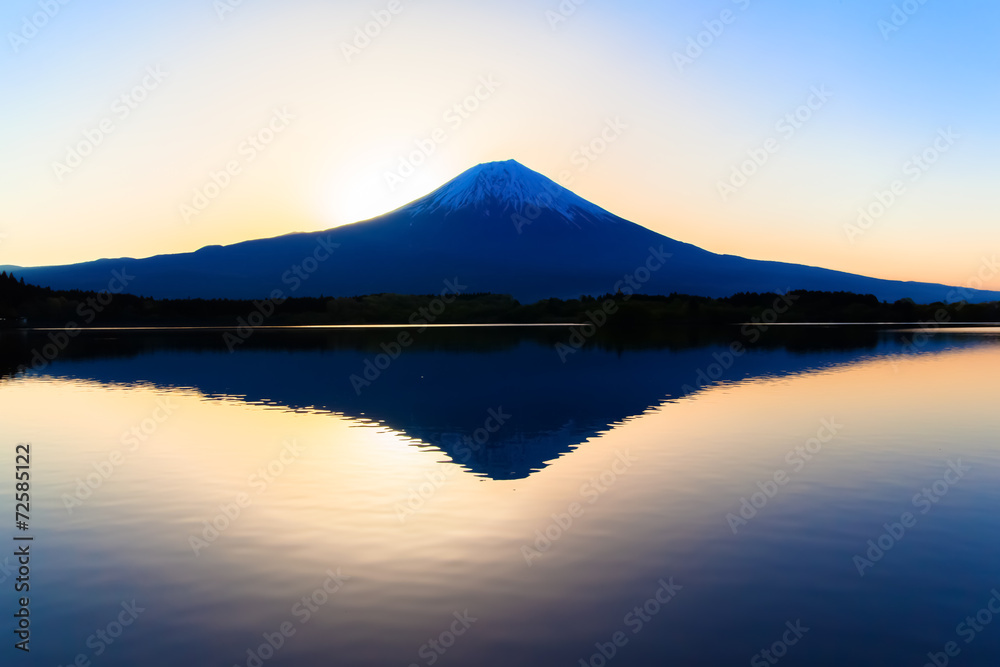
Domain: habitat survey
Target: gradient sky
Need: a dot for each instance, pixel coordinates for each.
(682, 127)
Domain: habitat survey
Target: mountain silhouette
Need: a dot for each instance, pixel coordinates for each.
(498, 227)
(441, 391)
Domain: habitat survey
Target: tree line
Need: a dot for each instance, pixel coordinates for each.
(43, 306)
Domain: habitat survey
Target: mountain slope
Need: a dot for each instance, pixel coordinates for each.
(498, 227)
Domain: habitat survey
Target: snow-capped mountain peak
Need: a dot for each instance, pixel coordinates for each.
(505, 186)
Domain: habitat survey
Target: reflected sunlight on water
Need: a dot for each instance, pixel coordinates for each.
(222, 509)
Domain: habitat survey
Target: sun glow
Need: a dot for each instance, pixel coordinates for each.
(367, 192)
(358, 197)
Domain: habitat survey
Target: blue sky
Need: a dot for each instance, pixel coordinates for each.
(676, 163)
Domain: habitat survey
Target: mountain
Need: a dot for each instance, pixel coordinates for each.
(498, 227)
(439, 392)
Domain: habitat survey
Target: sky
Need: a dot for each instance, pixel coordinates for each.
(858, 135)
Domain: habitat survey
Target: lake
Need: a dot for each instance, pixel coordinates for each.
(484, 496)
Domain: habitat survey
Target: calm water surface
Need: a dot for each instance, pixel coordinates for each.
(831, 497)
